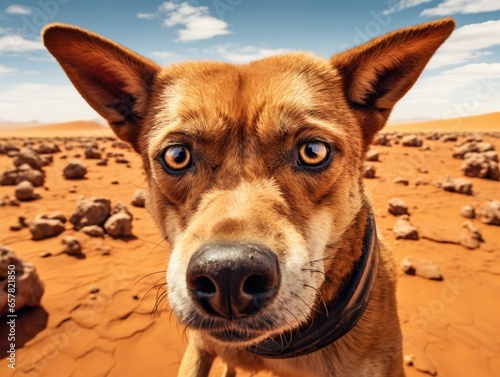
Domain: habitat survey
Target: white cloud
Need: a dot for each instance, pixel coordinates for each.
(242, 54)
(466, 44)
(6, 70)
(16, 43)
(403, 4)
(448, 7)
(45, 103)
(195, 21)
(165, 57)
(462, 91)
(5, 30)
(18, 9)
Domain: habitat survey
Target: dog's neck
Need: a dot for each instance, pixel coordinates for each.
(339, 315)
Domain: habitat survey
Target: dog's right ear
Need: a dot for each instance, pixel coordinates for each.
(114, 80)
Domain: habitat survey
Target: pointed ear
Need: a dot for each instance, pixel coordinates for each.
(378, 73)
(114, 80)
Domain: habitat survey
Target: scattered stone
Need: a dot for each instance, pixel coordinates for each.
(119, 225)
(72, 246)
(467, 147)
(46, 159)
(121, 160)
(372, 155)
(404, 230)
(42, 228)
(120, 208)
(93, 211)
(421, 267)
(408, 360)
(381, 139)
(478, 165)
(74, 170)
(8, 202)
(449, 137)
(16, 227)
(115, 182)
(93, 231)
(139, 198)
(103, 162)
(468, 212)
(72, 189)
(470, 237)
(8, 147)
(398, 207)
(411, 141)
(490, 213)
(24, 172)
(423, 170)
(401, 181)
(92, 153)
(56, 216)
(105, 250)
(29, 287)
(30, 157)
(421, 182)
(50, 148)
(368, 170)
(25, 192)
(94, 289)
(458, 185)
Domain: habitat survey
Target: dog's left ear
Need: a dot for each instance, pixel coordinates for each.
(114, 80)
(378, 73)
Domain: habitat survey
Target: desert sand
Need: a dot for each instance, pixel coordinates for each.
(106, 314)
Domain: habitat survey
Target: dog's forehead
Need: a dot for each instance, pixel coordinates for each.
(216, 95)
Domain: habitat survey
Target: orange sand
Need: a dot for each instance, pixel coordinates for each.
(451, 326)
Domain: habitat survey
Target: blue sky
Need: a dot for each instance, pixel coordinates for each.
(462, 79)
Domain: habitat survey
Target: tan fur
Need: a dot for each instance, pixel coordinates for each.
(243, 124)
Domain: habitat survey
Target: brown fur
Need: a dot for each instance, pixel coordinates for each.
(243, 124)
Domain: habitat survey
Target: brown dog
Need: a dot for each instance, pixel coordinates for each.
(254, 179)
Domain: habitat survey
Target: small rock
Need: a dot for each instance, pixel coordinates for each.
(398, 207)
(368, 170)
(421, 267)
(478, 165)
(468, 212)
(103, 162)
(119, 225)
(49, 148)
(372, 155)
(30, 157)
(381, 139)
(94, 289)
(490, 213)
(72, 189)
(121, 160)
(470, 237)
(449, 137)
(24, 172)
(459, 185)
(115, 182)
(139, 198)
(408, 360)
(120, 208)
(411, 141)
(56, 216)
(401, 181)
(404, 230)
(42, 228)
(93, 231)
(45, 254)
(92, 153)
(93, 211)
(74, 170)
(72, 246)
(25, 192)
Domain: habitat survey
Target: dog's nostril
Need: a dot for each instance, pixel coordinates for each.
(204, 285)
(256, 284)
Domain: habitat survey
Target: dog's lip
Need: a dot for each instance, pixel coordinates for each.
(233, 335)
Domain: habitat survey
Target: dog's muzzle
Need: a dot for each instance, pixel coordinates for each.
(233, 280)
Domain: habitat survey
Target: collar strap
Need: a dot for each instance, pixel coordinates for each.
(341, 315)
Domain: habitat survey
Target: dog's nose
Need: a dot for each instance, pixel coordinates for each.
(233, 280)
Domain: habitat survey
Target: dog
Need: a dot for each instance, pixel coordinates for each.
(254, 180)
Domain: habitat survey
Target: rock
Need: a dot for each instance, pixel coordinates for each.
(25, 192)
(29, 287)
(467, 147)
(401, 181)
(372, 155)
(404, 230)
(115, 182)
(94, 289)
(42, 228)
(478, 165)
(46, 159)
(468, 212)
(421, 267)
(139, 198)
(8, 147)
(30, 157)
(74, 170)
(484, 147)
(72, 246)
(92, 153)
(491, 155)
(470, 237)
(408, 360)
(72, 189)
(16, 227)
(368, 170)
(45, 254)
(119, 225)
(93, 231)
(120, 208)
(490, 213)
(48, 148)
(381, 139)
(24, 172)
(121, 160)
(103, 162)
(421, 182)
(459, 185)
(448, 137)
(8, 202)
(398, 207)
(93, 211)
(411, 141)
(55, 216)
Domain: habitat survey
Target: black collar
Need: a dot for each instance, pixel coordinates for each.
(341, 315)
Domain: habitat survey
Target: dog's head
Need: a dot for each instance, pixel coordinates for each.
(253, 170)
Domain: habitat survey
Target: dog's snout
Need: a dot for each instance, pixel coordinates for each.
(233, 280)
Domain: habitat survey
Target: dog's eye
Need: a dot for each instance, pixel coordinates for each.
(177, 158)
(313, 153)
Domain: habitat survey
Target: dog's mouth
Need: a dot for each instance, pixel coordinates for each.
(235, 335)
